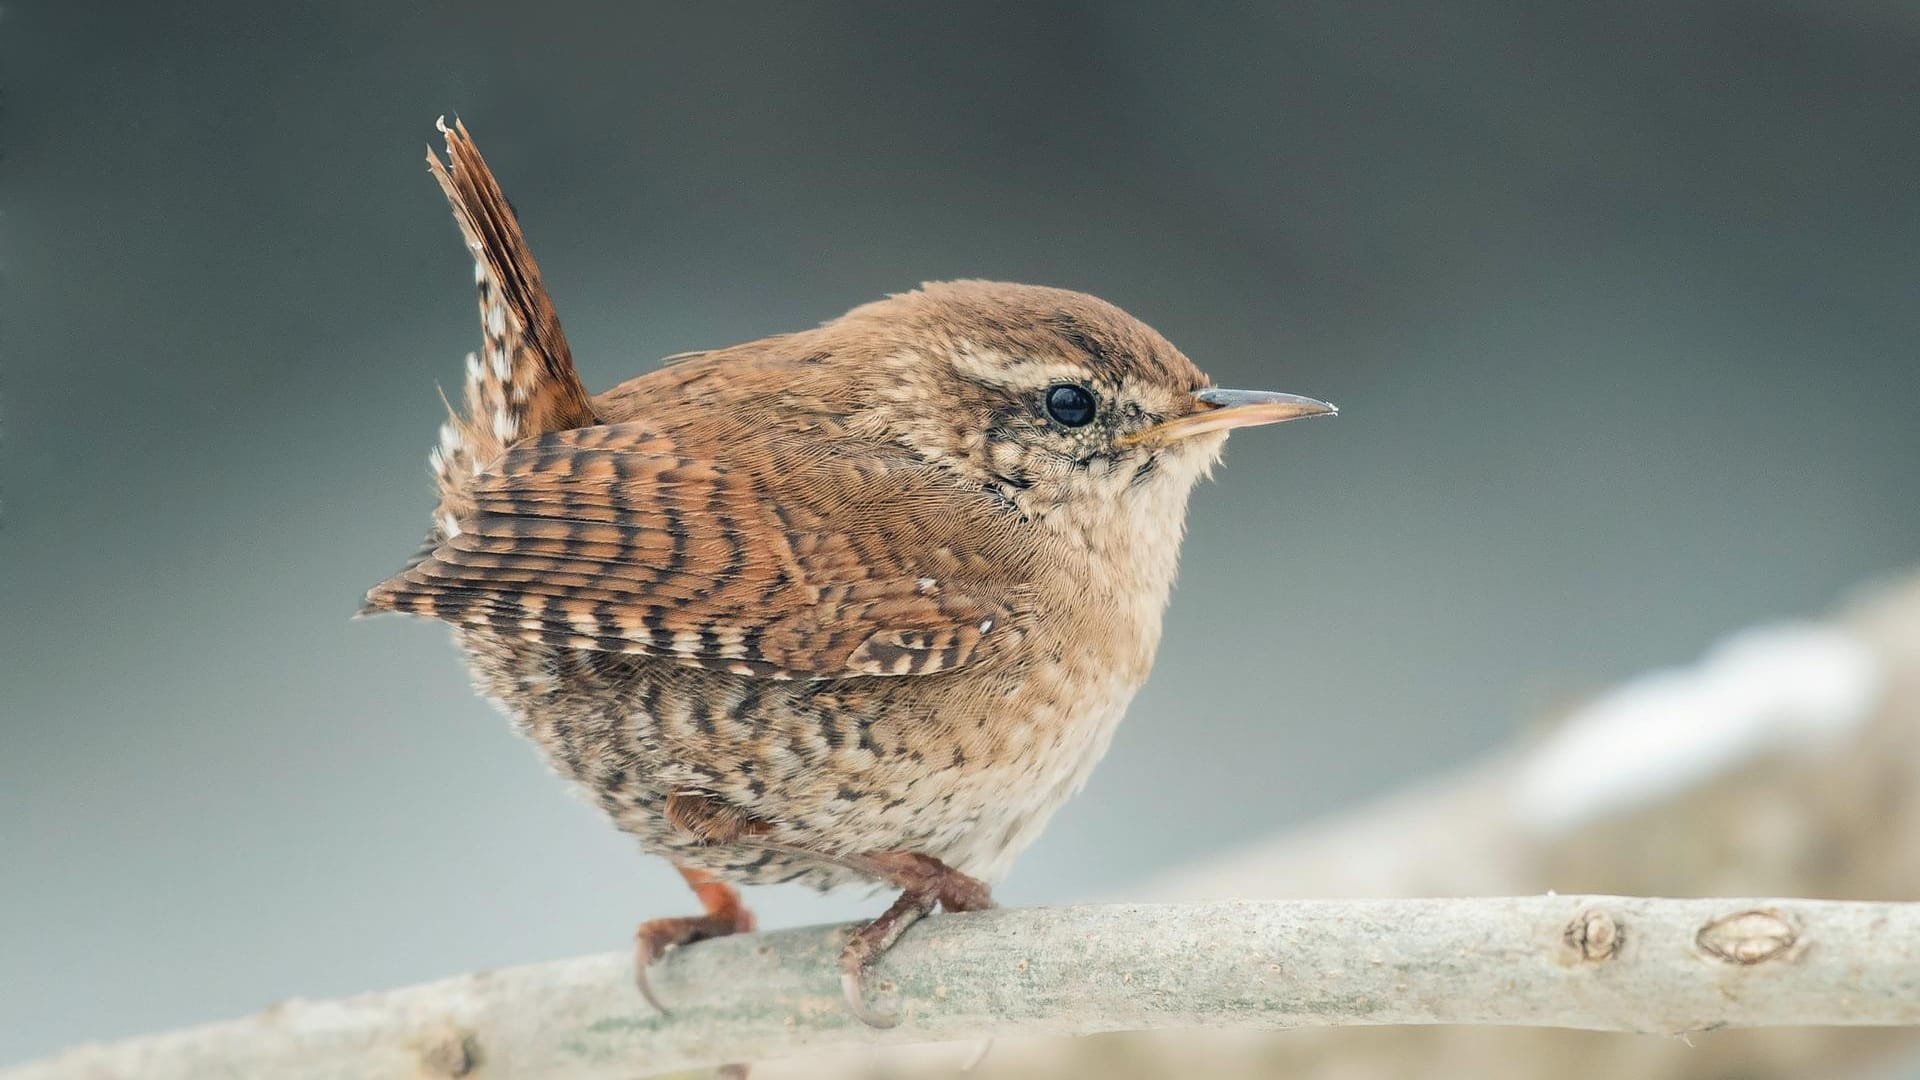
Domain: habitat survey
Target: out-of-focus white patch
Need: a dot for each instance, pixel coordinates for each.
(1761, 690)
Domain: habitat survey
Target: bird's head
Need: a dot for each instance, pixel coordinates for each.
(1050, 398)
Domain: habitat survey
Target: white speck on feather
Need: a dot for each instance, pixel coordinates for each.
(1760, 691)
(473, 368)
(501, 369)
(504, 425)
(449, 525)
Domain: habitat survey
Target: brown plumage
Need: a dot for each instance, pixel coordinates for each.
(857, 603)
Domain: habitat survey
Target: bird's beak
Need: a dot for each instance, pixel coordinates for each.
(1221, 410)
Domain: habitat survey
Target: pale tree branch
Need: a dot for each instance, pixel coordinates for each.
(1593, 962)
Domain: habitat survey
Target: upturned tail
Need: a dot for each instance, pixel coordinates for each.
(522, 383)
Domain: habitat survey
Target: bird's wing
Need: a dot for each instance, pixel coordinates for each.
(616, 538)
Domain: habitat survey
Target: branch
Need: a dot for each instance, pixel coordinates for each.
(1599, 963)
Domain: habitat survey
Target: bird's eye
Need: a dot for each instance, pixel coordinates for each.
(1070, 405)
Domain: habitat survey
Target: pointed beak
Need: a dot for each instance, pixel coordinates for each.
(1222, 410)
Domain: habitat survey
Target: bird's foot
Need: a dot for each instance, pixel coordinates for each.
(723, 914)
(924, 882)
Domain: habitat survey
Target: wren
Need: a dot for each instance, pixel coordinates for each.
(859, 603)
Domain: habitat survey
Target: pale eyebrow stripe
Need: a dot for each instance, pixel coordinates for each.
(998, 369)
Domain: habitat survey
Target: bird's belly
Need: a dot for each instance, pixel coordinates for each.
(1004, 807)
(967, 771)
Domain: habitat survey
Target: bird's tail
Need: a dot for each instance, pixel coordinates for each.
(522, 383)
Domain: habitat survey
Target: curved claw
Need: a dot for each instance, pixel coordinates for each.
(874, 939)
(724, 914)
(646, 991)
(656, 938)
(853, 970)
(644, 954)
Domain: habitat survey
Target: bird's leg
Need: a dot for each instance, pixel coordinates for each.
(723, 914)
(923, 882)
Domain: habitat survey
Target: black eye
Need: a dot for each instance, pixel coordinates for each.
(1071, 405)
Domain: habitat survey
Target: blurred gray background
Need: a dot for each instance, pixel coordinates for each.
(1619, 301)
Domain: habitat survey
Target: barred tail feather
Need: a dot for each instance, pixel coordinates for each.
(522, 384)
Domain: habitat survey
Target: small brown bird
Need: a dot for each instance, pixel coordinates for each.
(861, 603)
